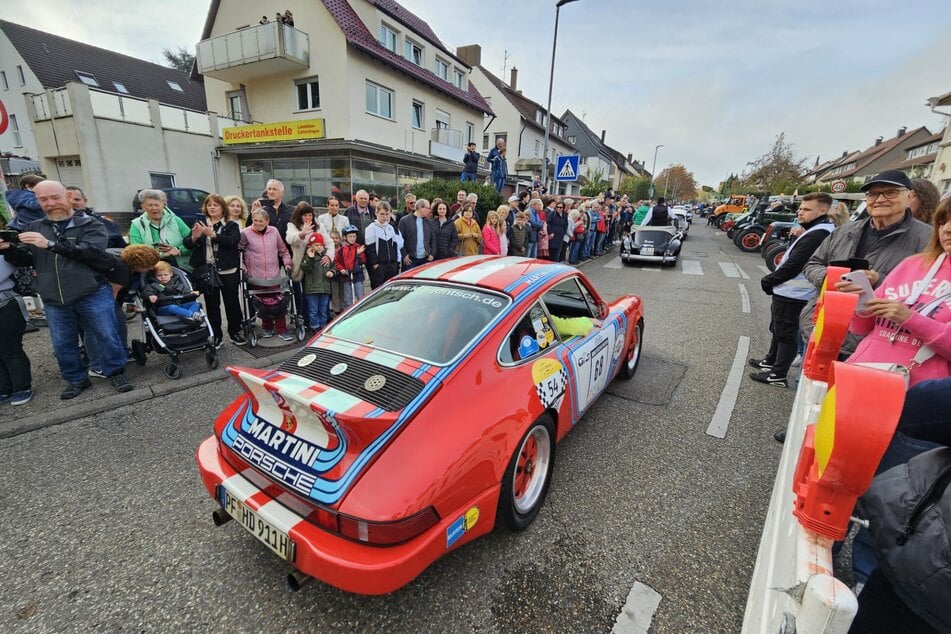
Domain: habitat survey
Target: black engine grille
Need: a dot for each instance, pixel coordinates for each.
(398, 391)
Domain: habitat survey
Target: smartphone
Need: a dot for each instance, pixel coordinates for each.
(861, 280)
(853, 264)
(267, 202)
(9, 235)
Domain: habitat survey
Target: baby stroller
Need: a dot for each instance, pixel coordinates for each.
(172, 335)
(269, 299)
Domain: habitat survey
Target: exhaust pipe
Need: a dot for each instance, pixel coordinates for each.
(220, 517)
(297, 580)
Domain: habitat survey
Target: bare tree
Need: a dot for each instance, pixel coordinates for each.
(774, 170)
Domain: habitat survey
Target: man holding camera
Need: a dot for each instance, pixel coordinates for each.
(59, 247)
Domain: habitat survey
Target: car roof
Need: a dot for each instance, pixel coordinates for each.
(510, 275)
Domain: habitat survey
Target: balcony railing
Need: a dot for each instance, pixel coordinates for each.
(447, 136)
(257, 51)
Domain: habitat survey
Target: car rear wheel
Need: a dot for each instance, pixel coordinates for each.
(633, 356)
(528, 475)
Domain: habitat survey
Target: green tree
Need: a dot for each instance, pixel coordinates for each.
(180, 59)
(597, 183)
(636, 187)
(447, 190)
(777, 168)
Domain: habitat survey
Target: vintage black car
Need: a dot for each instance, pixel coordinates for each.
(652, 244)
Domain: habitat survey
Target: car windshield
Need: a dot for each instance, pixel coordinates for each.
(654, 237)
(432, 322)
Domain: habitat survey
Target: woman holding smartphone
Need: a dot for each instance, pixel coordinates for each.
(214, 243)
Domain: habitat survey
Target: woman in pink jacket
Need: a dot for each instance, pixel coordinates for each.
(909, 320)
(264, 251)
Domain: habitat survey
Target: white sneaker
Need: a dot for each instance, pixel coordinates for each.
(797, 361)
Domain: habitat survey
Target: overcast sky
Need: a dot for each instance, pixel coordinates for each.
(713, 81)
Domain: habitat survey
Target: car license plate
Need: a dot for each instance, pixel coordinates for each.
(647, 250)
(272, 537)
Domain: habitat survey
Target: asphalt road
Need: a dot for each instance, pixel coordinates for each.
(106, 525)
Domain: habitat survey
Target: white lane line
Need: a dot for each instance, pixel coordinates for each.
(741, 272)
(652, 270)
(744, 299)
(764, 269)
(729, 269)
(638, 611)
(731, 390)
(691, 267)
(614, 264)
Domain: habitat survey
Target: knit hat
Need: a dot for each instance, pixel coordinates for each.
(315, 238)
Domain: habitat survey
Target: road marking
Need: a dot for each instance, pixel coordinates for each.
(731, 390)
(729, 269)
(691, 267)
(764, 269)
(614, 264)
(651, 270)
(744, 298)
(742, 272)
(638, 611)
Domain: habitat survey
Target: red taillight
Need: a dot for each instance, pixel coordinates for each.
(388, 533)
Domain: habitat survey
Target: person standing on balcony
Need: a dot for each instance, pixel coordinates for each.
(471, 164)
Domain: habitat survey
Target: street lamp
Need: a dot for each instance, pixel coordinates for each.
(653, 171)
(551, 81)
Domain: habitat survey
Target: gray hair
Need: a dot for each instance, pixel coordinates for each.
(151, 194)
(409, 195)
(260, 213)
(276, 182)
(421, 203)
(472, 198)
(532, 202)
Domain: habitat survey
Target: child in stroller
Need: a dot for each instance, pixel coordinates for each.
(171, 294)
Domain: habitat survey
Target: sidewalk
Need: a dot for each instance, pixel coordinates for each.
(47, 409)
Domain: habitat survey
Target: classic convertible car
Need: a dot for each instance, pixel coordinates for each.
(420, 419)
(652, 244)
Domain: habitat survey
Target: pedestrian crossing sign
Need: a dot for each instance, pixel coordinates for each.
(566, 167)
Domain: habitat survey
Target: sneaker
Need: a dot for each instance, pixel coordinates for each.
(762, 364)
(238, 339)
(267, 333)
(797, 361)
(30, 328)
(217, 341)
(74, 389)
(96, 373)
(120, 383)
(5, 397)
(769, 378)
(286, 336)
(21, 398)
(197, 316)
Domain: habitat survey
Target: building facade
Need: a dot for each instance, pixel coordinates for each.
(356, 94)
(941, 173)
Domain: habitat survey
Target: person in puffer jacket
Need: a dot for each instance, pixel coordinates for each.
(264, 252)
(909, 510)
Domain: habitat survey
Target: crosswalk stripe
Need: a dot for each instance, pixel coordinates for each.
(764, 269)
(729, 269)
(614, 264)
(691, 267)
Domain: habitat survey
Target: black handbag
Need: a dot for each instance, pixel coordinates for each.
(206, 277)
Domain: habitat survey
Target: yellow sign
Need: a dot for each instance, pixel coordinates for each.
(280, 131)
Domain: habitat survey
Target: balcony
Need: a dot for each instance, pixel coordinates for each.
(257, 51)
(446, 143)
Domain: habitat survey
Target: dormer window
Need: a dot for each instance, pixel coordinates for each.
(174, 85)
(388, 38)
(120, 87)
(87, 78)
(442, 70)
(413, 52)
(459, 79)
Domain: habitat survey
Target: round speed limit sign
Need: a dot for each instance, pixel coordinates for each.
(839, 187)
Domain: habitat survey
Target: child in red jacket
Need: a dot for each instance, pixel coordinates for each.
(349, 261)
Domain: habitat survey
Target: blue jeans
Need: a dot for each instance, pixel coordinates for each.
(498, 182)
(588, 245)
(531, 250)
(92, 346)
(573, 251)
(186, 309)
(467, 176)
(96, 314)
(352, 293)
(599, 243)
(318, 308)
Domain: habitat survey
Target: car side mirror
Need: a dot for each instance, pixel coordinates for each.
(602, 310)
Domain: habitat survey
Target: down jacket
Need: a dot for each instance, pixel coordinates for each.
(909, 508)
(264, 253)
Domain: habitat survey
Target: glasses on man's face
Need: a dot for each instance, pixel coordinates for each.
(887, 194)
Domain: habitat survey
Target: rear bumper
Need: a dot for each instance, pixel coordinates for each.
(345, 564)
(635, 257)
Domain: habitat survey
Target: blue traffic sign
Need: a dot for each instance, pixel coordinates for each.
(566, 167)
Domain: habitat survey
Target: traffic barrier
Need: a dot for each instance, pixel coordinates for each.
(793, 587)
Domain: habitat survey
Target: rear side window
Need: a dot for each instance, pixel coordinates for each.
(532, 335)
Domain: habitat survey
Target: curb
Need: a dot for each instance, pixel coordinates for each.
(67, 414)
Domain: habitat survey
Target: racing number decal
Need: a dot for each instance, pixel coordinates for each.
(592, 362)
(550, 379)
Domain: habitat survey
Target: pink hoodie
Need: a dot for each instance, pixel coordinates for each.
(933, 331)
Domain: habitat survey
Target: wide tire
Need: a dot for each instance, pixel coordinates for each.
(774, 254)
(748, 240)
(528, 476)
(633, 355)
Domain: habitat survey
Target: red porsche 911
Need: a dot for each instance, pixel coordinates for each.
(417, 421)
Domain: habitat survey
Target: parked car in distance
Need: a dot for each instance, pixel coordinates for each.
(185, 202)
